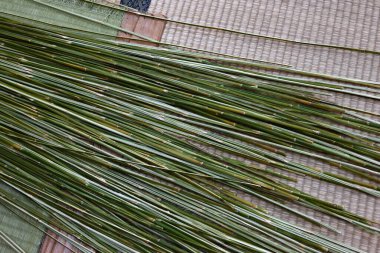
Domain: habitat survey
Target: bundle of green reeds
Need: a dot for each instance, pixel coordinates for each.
(107, 139)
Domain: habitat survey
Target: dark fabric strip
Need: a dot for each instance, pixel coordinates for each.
(141, 5)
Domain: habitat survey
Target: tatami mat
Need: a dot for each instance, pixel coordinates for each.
(345, 23)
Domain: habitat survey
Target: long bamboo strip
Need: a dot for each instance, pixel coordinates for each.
(105, 138)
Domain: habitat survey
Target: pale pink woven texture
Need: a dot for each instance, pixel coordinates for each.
(347, 23)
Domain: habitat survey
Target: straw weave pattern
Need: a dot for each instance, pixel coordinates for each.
(345, 23)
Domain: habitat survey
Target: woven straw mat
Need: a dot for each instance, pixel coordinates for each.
(346, 23)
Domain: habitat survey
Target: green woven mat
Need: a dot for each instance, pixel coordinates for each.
(16, 227)
(35, 11)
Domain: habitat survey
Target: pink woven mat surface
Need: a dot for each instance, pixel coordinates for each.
(345, 23)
